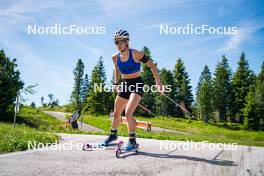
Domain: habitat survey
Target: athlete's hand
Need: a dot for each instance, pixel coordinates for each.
(160, 87)
(116, 88)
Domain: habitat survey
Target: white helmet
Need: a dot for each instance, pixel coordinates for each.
(121, 34)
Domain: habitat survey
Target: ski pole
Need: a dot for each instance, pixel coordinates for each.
(177, 104)
(147, 110)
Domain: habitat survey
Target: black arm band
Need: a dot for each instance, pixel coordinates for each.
(145, 59)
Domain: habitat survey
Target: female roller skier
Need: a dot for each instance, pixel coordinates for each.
(127, 63)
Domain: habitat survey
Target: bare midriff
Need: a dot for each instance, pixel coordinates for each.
(132, 75)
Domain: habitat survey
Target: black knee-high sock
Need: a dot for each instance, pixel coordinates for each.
(113, 131)
(132, 136)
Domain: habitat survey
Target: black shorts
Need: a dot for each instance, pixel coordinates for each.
(128, 86)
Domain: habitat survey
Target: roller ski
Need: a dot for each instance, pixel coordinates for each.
(108, 143)
(90, 147)
(129, 148)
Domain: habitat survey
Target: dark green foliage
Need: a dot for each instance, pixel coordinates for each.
(222, 89)
(249, 111)
(148, 99)
(97, 100)
(165, 106)
(204, 95)
(182, 89)
(242, 80)
(221, 97)
(10, 83)
(33, 105)
(259, 99)
(78, 81)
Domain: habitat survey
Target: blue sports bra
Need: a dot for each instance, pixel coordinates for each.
(128, 67)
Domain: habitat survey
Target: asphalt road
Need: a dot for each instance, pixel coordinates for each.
(153, 159)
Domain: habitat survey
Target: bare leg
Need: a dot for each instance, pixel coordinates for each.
(133, 101)
(120, 104)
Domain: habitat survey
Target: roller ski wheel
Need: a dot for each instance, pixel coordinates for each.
(87, 147)
(120, 151)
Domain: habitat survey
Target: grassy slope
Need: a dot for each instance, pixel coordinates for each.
(199, 130)
(40, 120)
(16, 139)
(33, 125)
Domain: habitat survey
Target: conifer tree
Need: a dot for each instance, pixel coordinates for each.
(259, 98)
(148, 99)
(204, 96)
(183, 89)
(222, 89)
(165, 106)
(10, 83)
(249, 111)
(97, 99)
(76, 97)
(242, 79)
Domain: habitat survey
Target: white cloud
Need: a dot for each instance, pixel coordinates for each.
(96, 51)
(23, 10)
(245, 34)
(154, 26)
(115, 8)
(25, 55)
(199, 51)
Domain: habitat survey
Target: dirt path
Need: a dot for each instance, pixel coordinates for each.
(85, 127)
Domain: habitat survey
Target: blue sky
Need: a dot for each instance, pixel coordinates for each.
(49, 59)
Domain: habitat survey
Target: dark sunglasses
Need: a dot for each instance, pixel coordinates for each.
(120, 41)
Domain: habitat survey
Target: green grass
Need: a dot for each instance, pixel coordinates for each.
(199, 131)
(16, 139)
(66, 108)
(39, 120)
(32, 125)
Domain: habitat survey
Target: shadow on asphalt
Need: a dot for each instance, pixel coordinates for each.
(166, 156)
